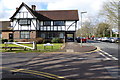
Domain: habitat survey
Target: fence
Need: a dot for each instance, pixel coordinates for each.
(34, 46)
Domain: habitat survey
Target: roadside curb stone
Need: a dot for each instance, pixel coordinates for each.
(77, 48)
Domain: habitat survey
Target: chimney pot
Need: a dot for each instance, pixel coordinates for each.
(33, 7)
(16, 8)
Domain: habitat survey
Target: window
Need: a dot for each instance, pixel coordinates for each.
(24, 34)
(49, 35)
(59, 23)
(24, 21)
(61, 35)
(47, 23)
(43, 35)
(23, 14)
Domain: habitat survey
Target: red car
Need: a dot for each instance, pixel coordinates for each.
(84, 40)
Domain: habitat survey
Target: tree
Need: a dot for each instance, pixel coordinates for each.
(89, 26)
(103, 30)
(110, 13)
(110, 10)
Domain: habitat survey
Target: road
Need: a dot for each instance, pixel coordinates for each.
(111, 48)
(94, 65)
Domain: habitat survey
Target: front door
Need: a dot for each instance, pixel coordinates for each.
(10, 35)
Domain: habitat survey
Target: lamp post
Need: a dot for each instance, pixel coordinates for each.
(81, 25)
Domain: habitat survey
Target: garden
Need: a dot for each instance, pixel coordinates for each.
(56, 42)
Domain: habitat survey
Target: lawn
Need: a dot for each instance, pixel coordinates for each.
(40, 48)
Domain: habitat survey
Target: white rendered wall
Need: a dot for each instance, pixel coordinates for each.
(33, 24)
(72, 27)
(27, 14)
(59, 28)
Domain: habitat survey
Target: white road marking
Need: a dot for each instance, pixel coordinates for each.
(69, 50)
(105, 53)
(104, 56)
(108, 55)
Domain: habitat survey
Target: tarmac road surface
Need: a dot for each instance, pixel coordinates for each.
(93, 65)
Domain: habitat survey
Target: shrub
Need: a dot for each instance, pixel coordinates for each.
(4, 40)
(47, 41)
(24, 40)
(61, 41)
(15, 41)
(39, 40)
(11, 40)
(56, 40)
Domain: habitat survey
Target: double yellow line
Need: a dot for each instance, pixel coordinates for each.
(39, 73)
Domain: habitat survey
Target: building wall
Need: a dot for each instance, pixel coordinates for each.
(69, 26)
(17, 36)
(33, 34)
(37, 25)
(5, 35)
(27, 14)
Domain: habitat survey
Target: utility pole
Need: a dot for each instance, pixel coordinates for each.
(81, 26)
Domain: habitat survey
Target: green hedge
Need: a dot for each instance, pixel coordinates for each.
(57, 40)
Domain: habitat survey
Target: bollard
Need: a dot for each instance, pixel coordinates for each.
(34, 45)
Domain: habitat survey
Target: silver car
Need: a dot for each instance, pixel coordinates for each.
(105, 39)
(114, 39)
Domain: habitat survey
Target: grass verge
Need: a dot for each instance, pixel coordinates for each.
(40, 48)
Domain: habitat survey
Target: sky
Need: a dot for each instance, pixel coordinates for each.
(8, 7)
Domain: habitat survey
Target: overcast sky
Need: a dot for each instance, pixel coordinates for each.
(8, 7)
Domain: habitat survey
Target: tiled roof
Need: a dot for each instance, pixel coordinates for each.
(5, 25)
(51, 14)
(60, 14)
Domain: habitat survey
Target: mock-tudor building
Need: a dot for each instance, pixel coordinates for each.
(29, 23)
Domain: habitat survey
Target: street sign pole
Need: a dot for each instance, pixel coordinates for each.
(81, 28)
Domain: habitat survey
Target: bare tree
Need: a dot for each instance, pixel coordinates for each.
(110, 12)
(89, 27)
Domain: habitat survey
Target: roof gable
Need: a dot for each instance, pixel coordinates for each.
(17, 11)
(34, 13)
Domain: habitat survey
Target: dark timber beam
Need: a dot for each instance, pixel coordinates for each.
(71, 25)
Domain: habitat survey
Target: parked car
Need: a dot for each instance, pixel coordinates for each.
(84, 40)
(104, 39)
(114, 39)
(87, 38)
(118, 40)
(70, 38)
(99, 39)
(96, 38)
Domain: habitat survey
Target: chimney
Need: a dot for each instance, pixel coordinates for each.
(16, 8)
(33, 7)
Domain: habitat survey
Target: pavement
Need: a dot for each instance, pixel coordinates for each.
(76, 47)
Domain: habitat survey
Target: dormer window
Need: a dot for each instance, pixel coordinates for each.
(24, 21)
